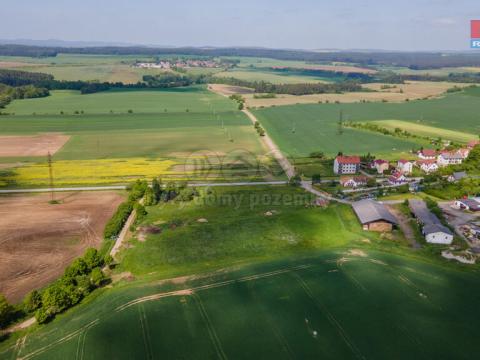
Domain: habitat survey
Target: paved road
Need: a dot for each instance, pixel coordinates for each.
(60, 189)
(123, 187)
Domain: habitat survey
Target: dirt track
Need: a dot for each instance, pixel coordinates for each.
(37, 145)
(38, 240)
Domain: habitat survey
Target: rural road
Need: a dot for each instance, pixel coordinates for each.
(287, 167)
(274, 150)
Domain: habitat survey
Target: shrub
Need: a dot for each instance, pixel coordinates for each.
(32, 302)
(92, 259)
(115, 224)
(6, 311)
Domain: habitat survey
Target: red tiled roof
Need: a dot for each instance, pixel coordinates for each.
(403, 161)
(348, 159)
(473, 143)
(429, 152)
(380, 161)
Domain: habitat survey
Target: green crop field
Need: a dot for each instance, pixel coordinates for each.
(274, 77)
(301, 129)
(330, 305)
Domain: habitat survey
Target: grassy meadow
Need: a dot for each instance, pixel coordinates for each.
(242, 224)
(169, 126)
(301, 129)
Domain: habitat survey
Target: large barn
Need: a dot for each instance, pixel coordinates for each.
(432, 228)
(374, 216)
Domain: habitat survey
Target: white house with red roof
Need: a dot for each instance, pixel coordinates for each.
(346, 164)
(397, 178)
(427, 154)
(427, 166)
(405, 166)
(380, 165)
(450, 158)
(353, 181)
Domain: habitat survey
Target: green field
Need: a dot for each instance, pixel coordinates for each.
(425, 130)
(238, 230)
(316, 126)
(329, 306)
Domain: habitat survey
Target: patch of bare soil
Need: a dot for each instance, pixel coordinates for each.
(144, 231)
(37, 145)
(405, 226)
(39, 240)
(227, 90)
(17, 64)
(128, 276)
(356, 252)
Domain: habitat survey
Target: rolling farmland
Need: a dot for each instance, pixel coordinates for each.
(172, 126)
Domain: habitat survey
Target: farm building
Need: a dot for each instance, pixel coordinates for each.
(467, 204)
(374, 216)
(346, 164)
(433, 230)
(437, 234)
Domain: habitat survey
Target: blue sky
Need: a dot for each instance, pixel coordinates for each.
(302, 24)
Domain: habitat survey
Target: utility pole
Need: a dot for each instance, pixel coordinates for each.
(340, 123)
(50, 173)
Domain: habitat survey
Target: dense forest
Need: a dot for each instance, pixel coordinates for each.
(412, 60)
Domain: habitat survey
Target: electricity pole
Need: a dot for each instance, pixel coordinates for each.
(340, 123)
(50, 173)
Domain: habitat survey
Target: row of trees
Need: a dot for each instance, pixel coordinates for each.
(79, 279)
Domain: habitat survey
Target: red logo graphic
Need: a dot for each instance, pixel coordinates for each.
(475, 29)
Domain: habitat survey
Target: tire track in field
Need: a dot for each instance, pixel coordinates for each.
(282, 340)
(331, 318)
(190, 291)
(145, 333)
(59, 341)
(211, 330)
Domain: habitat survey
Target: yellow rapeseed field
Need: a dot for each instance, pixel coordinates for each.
(105, 171)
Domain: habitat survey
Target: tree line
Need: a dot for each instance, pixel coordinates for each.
(292, 89)
(412, 60)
